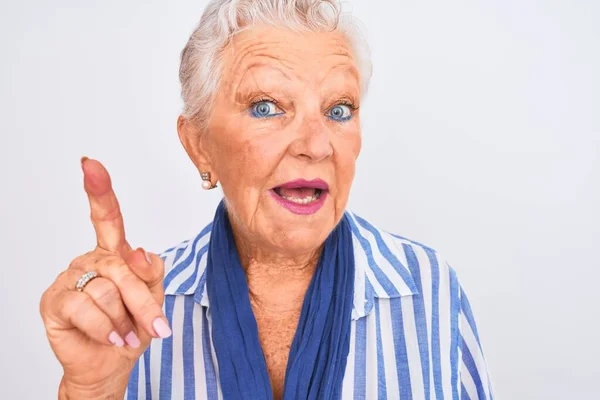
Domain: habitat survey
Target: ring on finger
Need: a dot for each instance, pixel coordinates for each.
(85, 279)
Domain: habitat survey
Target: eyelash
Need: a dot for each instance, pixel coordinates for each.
(344, 102)
(347, 103)
(261, 99)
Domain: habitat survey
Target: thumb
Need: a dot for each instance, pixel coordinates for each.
(150, 268)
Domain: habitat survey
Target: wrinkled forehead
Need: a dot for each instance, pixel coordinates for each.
(301, 56)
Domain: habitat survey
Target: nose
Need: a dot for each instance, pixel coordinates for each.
(313, 142)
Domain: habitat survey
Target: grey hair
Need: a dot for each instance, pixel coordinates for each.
(200, 69)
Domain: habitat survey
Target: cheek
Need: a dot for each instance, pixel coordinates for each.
(247, 167)
(346, 176)
(349, 149)
(239, 181)
(357, 145)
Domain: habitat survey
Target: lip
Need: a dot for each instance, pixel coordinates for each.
(302, 209)
(299, 183)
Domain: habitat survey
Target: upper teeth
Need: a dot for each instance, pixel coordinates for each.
(305, 200)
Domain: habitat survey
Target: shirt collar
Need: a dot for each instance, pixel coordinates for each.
(379, 259)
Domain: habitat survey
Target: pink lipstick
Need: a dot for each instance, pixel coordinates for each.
(301, 196)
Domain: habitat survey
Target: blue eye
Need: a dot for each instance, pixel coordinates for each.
(264, 109)
(341, 112)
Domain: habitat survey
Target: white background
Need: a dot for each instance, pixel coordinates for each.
(481, 140)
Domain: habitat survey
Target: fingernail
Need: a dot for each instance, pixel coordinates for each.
(161, 328)
(83, 159)
(132, 340)
(116, 339)
(148, 258)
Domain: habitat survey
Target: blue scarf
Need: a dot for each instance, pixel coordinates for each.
(317, 358)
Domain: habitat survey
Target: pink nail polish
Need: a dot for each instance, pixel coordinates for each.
(161, 328)
(132, 340)
(116, 339)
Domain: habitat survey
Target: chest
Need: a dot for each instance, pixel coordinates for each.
(276, 334)
(392, 355)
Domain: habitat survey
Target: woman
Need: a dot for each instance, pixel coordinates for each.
(285, 294)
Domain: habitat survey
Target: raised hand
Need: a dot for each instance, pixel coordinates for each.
(98, 333)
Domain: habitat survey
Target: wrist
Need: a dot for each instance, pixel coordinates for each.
(110, 391)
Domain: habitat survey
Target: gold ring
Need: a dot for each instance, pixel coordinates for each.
(85, 279)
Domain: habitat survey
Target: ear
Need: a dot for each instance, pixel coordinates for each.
(195, 144)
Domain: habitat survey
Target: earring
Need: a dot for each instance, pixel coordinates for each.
(206, 183)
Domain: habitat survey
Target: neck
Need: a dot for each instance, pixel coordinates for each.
(277, 282)
(279, 287)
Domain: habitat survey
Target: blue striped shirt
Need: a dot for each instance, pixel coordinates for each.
(413, 335)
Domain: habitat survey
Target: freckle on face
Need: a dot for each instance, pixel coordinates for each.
(303, 76)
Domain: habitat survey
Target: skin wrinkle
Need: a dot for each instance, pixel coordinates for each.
(306, 74)
(245, 95)
(269, 48)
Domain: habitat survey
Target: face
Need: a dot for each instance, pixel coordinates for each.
(283, 136)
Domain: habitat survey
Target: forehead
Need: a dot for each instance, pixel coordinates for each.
(304, 55)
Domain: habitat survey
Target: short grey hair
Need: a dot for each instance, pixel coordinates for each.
(200, 69)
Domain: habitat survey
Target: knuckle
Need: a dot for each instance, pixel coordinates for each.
(83, 304)
(160, 265)
(47, 299)
(84, 263)
(76, 261)
(124, 324)
(64, 276)
(107, 215)
(103, 325)
(107, 292)
(127, 278)
(43, 304)
(149, 308)
(155, 280)
(75, 305)
(45, 296)
(81, 260)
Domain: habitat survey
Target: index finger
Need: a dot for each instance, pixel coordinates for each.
(104, 207)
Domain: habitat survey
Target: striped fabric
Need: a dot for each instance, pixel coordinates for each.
(413, 335)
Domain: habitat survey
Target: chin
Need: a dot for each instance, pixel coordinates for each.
(286, 232)
(299, 242)
(295, 236)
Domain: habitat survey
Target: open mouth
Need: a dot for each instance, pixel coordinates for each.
(301, 195)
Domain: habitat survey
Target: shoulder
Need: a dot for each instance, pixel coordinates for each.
(410, 260)
(392, 264)
(185, 263)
